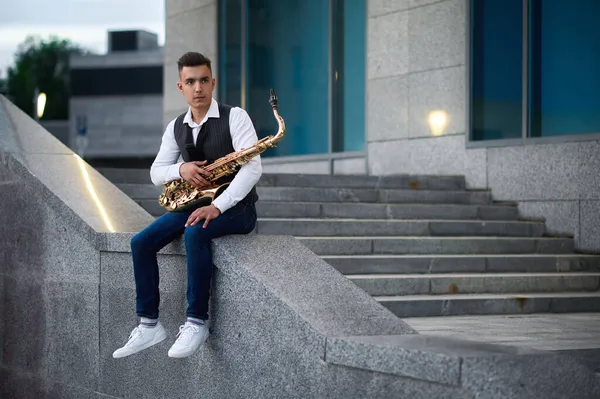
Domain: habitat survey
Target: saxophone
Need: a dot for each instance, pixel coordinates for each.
(180, 196)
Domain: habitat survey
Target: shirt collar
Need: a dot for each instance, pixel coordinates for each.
(213, 112)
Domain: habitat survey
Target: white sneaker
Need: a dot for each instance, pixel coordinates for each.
(190, 337)
(141, 338)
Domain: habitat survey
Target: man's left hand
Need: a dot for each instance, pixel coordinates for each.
(207, 213)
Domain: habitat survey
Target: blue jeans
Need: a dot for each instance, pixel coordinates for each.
(239, 219)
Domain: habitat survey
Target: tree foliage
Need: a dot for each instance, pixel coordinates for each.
(45, 64)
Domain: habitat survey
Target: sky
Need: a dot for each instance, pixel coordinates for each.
(84, 22)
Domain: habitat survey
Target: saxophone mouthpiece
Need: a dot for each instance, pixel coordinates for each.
(273, 99)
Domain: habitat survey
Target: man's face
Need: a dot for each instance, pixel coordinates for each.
(197, 85)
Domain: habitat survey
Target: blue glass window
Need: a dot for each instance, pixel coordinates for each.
(312, 52)
(564, 86)
(496, 69)
(229, 78)
(349, 51)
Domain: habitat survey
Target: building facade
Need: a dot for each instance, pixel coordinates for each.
(503, 92)
(116, 101)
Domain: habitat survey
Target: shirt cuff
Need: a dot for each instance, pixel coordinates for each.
(222, 203)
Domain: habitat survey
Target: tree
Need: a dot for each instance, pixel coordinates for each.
(45, 65)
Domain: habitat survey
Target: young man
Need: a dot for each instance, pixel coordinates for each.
(216, 130)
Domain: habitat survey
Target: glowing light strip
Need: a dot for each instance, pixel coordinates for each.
(90, 188)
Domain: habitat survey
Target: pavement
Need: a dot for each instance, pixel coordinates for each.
(576, 334)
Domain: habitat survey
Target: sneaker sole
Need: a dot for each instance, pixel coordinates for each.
(158, 338)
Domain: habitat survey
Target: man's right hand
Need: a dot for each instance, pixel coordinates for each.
(194, 173)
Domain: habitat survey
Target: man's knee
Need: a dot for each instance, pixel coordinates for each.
(197, 233)
(139, 242)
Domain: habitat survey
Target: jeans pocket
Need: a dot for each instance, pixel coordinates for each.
(237, 210)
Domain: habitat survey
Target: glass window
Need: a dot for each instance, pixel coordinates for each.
(229, 81)
(564, 81)
(303, 51)
(288, 50)
(496, 69)
(349, 52)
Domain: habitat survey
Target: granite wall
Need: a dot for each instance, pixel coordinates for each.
(284, 323)
(416, 64)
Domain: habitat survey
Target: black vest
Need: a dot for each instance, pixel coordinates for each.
(213, 142)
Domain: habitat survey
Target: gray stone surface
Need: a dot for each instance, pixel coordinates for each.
(491, 304)
(552, 332)
(436, 35)
(433, 155)
(534, 172)
(475, 283)
(438, 89)
(561, 217)
(396, 227)
(68, 302)
(387, 47)
(379, 7)
(120, 176)
(417, 264)
(489, 370)
(552, 178)
(589, 228)
(551, 181)
(435, 245)
(89, 195)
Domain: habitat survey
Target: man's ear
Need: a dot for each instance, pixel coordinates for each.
(180, 87)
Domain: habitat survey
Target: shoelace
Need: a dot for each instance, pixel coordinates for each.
(186, 331)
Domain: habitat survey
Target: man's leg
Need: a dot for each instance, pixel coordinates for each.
(144, 247)
(240, 219)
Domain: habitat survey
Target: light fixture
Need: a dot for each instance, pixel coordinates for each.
(438, 120)
(41, 104)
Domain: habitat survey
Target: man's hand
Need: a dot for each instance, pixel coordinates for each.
(194, 173)
(207, 213)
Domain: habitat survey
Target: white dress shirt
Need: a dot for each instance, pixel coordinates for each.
(168, 160)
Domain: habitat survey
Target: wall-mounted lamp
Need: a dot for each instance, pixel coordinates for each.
(438, 120)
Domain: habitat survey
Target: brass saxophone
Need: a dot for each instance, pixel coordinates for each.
(180, 196)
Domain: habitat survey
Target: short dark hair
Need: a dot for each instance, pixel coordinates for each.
(193, 58)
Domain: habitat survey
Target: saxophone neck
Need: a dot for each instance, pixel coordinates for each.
(273, 100)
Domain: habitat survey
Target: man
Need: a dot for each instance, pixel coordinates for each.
(216, 130)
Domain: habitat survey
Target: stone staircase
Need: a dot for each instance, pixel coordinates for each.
(420, 245)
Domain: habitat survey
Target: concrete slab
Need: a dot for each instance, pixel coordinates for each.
(575, 334)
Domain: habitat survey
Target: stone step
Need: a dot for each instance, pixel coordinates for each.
(338, 195)
(413, 182)
(491, 304)
(141, 191)
(274, 209)
(359, 195)
(374, 227)
(126, 175)
(436, 245)
(503, 263)
(151, 206)
(475, 283)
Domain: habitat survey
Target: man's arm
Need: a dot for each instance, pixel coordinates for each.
(165, 166)
(243, 135)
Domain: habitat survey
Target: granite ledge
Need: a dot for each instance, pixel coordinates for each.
(428, 358)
